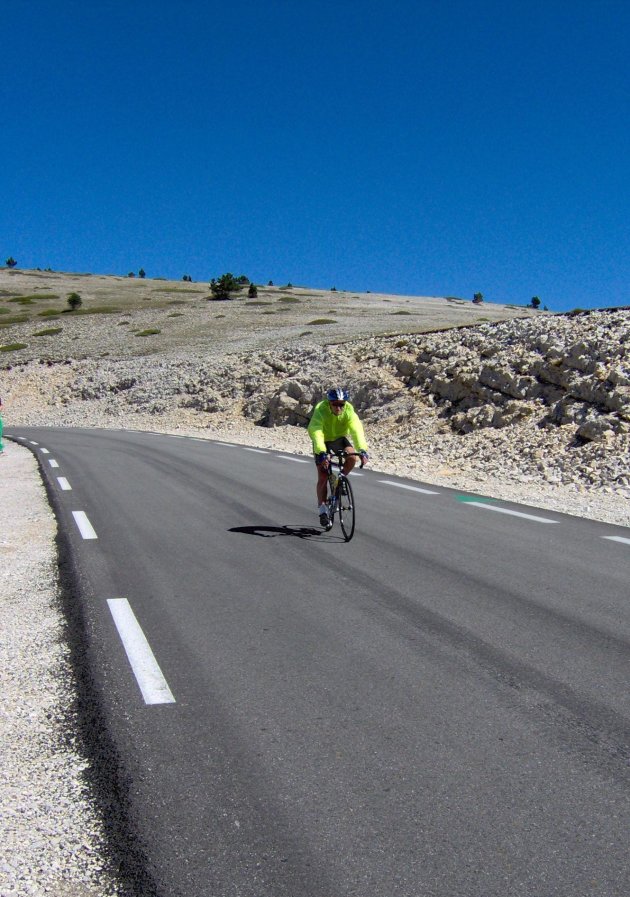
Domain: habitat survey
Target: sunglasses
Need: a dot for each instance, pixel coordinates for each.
(337, 404)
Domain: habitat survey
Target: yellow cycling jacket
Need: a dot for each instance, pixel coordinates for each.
(325, 427)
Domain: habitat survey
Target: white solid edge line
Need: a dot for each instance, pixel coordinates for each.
(85, 527)
(411, 488)
(289, 458)
(259, 451)
(149, 676)
(53, 463)
(488, 507)
(617, 539)
(64, 484)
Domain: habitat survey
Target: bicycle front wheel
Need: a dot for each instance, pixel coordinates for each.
(346, 508)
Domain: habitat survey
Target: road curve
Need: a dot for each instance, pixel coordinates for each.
(439, 707)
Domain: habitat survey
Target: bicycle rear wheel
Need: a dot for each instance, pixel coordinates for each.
(346, 508)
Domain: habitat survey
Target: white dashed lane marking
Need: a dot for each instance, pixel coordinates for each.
(488, 507)
(617, 539)
(85, 527)
(258, 451)
(64, 484)
(53, 463)
(149, 676)
(411, 488)
(45, 451)
(297, 460)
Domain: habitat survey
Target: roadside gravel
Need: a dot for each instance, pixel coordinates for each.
(51, 839)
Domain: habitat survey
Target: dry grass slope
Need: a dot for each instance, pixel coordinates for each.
(185, 318)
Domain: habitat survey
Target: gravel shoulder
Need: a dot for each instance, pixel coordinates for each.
(52, 840)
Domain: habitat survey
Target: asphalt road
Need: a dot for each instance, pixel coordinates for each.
(439, 707)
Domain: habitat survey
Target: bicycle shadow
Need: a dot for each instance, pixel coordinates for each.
(272, 532)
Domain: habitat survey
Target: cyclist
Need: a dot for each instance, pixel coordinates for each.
(334, 426)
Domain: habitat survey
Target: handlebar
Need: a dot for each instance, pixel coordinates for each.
(341, 455)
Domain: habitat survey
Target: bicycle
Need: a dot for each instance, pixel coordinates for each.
(340, 497)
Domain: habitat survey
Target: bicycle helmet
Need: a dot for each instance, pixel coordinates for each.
(338, 394)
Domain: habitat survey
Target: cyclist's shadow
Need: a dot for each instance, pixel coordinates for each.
(271, 532)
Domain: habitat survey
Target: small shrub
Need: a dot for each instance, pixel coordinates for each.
(142, 273)
(50, 331)
(401, 312)
(323, 321)
(478, 298)
(258, 302)
(252, 291)
(535, 303)
(10, 262)
(51, 313)
(74, 301)
(176, 314)
(150, 331)
(288, 299)
(224, 286)
(14, 319)
(28, 300)
(13, 347)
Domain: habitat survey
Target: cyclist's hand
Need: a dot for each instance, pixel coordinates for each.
(364, 458)
(323, 461)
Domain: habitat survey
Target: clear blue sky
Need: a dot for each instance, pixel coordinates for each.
(410, 146)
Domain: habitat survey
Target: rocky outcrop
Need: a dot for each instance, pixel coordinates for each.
(538, 399)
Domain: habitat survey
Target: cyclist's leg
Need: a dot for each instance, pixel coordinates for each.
(322, 485)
